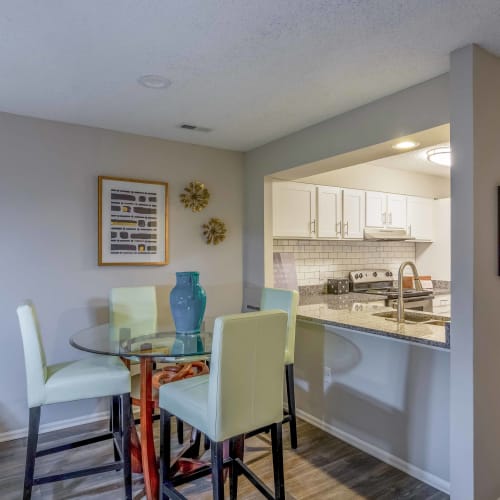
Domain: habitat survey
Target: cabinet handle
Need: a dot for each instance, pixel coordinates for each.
(313, 226)
(382, 216)
(390, 218)
(346, 225)
(338, 227)
(409, 229)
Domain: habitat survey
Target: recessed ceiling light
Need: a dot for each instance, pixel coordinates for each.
(440, 156)
(154, 81)
(405, 145)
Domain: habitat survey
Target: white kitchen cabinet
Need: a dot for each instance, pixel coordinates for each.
(376, 209)
(441, 304)
(329, 200)
(294, 210)
(420, 218)
(396, 211)
(385, 210)
(353, 213)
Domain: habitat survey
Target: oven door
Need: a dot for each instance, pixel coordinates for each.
(423, 304)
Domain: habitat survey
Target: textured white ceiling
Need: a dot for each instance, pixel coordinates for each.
(253, 70)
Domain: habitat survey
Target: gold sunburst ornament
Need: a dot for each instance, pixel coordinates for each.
(195, 196)
(214, 231)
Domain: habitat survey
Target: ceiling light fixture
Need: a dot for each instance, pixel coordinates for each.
(154, 81)
(405, 145)
(440, 156)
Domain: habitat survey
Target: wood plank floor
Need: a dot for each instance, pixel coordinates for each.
(323, 467)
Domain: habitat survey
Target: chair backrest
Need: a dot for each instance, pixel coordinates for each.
(34, 355)
(288, 301)
(245, 388)
(129, 305)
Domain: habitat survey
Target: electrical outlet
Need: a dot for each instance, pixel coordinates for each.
(328, 374)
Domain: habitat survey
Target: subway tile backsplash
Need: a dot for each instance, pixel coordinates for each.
(318, 260)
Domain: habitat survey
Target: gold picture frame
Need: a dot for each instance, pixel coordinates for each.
(133, 222)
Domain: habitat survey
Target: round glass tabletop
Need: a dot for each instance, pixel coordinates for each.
(141, 340)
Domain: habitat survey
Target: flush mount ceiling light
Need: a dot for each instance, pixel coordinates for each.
(405, 145)
(154, 81)
(440, 156)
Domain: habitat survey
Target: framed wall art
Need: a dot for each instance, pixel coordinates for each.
(133, 222)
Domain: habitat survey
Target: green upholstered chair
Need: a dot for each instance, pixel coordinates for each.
(137, 305)
(243, 392)
(92, 377)
(288, 301)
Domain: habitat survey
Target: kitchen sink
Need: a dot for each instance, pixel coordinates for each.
(415, 318)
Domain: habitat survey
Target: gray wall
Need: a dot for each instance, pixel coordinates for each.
(393, 396)
(48, 252)
(475, 367)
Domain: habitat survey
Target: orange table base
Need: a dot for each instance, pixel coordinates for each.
(149, 468)
(135, 450)
(143, 449)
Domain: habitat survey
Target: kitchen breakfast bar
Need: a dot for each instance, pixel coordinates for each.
(377, 384)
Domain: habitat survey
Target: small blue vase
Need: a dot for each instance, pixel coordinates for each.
(187, 302)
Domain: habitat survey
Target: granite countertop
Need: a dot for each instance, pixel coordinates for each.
(354, 311)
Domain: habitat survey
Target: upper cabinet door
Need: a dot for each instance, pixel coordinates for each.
(420, 218)
(353, 213)
(385, 210)
(376, 209)
(396, 211)
(329, 212)
(294, 210)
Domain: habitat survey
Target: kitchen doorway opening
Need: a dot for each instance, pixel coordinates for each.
(321, 218)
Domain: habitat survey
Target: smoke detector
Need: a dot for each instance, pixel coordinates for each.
(154, 81)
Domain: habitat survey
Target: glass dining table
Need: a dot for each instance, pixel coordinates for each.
(146, 344)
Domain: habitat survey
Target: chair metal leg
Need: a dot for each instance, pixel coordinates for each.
(236, 449)
(279, 475)
(125, 411)
(115, 423)
(290, 391)
(165, 431)
(29, 471)
(217, 470)
(180, 431)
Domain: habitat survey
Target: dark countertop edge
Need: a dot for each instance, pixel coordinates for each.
(406, 338)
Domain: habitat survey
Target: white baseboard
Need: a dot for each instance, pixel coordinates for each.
(383, 455)
(54, 426)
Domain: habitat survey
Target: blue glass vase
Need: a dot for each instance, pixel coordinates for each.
(187, 302)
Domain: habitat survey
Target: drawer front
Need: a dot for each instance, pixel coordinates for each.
(441, 304)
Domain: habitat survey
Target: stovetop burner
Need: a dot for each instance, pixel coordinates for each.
(392, 293)
(380, 282)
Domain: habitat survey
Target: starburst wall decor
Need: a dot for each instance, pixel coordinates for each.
(195, 196)
(214, 231)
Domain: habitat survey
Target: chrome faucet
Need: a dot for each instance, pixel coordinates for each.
(418, 284)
